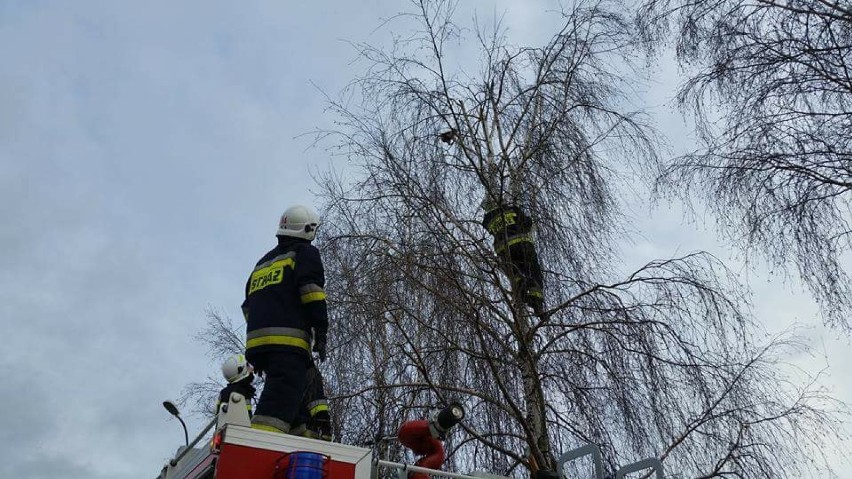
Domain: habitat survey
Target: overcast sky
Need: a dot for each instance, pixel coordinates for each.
(146, 152)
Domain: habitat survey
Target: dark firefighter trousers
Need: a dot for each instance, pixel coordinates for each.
(524, 271)
(313, 419)
(283, 390)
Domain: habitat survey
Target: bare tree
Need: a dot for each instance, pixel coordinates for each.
(777, 168)
(222, 339)
(659, 361)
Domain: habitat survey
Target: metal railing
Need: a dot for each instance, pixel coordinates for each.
(191, 445)
(650, 463)
(594, 451)
(587, 450)
(582, 451)
(403, 470)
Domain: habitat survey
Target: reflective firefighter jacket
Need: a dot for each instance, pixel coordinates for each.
(509, 226)
(243, 387)
(513, 243)
(285, 299)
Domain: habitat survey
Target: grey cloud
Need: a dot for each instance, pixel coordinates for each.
(25, 418)
(51, 467)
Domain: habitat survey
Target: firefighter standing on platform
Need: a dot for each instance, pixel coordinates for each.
(513, 243)
(285, 311)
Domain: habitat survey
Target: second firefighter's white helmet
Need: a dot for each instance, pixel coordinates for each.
(299, 221)
(236, 368)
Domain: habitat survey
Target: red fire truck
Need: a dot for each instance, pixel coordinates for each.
(237, 451)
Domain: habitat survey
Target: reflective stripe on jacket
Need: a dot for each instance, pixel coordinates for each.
(285, 298)
(508, 225)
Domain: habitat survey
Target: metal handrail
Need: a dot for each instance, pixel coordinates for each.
(650, 463)
(195, 441)
(585, 450)
(404, 468)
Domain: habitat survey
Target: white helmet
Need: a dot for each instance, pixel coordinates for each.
(236, 368)
(299, 222)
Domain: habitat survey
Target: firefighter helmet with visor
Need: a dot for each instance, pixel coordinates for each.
(236, 368)
(299, 221)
